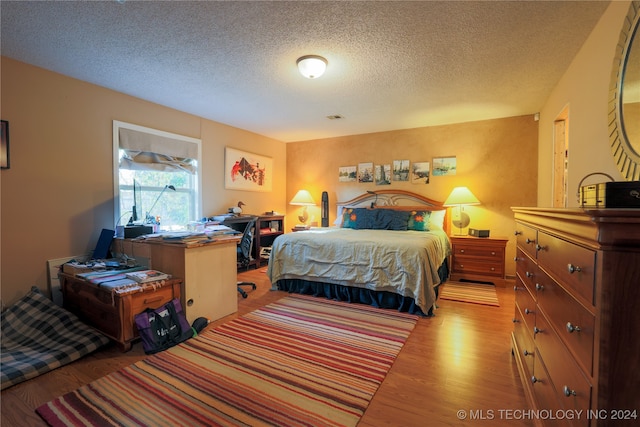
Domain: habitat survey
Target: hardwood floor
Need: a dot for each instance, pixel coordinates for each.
(458, 360)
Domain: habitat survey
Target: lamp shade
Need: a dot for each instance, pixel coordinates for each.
(312, 66)
(461, 196)
(302, 198)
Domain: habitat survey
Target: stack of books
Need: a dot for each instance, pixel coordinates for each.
(145, 276)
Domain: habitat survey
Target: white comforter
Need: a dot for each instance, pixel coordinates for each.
(402, 262)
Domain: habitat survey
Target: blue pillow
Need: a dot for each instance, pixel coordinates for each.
(388, 219)
(365, 218)
(348, 218)
(419, 220)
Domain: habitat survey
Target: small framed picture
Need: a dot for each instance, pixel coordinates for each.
(4, 147)
(420, 172)
(443, 166)
(383, 174)
(365, 172)
(401, 170)
(347, 174)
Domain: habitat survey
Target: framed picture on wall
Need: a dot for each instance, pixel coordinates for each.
(247, 171)
(383, 174)
(420, 172)
(347, 174)
(401, 170)
(365, 172)
(4, 145)
(444, 166)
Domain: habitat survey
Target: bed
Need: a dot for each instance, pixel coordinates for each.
(387, 248)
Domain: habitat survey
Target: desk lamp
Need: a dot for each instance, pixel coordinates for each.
(461, 196)
(150, 219)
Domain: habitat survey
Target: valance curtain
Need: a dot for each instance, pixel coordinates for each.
(146, 151)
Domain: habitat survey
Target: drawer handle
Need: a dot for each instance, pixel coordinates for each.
(514, 320)
(493, 269)
(528, 240)
(461, 266)
(536, 330)
(515, 258)
(572, 328)
(540, 247)
(528, 274)
(568, 392)
(516, 288)
(539, 287)
(517, 233)
(573, 268)
(527, 353)
(535, 380)
(527, 311)
(154, 299)
(492, 253)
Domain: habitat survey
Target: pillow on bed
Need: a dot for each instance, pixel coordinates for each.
(419, 220)
(388, 219)
(349, 217)
(436, 220)
(365, 219)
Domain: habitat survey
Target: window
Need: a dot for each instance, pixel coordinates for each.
(157, 177)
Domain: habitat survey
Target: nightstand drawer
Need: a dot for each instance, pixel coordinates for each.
(478, 251)
(475, 266)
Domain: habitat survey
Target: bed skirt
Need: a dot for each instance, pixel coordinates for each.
(382, 299)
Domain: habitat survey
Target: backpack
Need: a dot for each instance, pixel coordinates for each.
(163, 327)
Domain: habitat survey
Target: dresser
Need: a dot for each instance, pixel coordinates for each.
(478, 259)
(576, 335)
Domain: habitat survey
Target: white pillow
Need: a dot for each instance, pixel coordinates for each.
(436, 220)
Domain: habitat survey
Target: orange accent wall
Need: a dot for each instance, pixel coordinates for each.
(496, 159)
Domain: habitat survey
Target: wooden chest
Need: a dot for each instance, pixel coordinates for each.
(111, 311)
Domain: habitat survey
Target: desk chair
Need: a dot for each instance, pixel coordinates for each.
(244, 254)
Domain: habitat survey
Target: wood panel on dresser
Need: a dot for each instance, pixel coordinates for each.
(577, 324)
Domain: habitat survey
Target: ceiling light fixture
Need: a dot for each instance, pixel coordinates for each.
(311, 66)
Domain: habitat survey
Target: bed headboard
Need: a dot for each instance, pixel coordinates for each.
(397, 200)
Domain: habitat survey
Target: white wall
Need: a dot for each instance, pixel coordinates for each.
(584, 88)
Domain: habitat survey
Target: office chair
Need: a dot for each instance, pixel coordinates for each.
(244, 254)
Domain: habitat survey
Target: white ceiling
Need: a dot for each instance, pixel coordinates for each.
(392, 64)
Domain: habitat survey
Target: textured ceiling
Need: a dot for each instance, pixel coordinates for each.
(392, 65)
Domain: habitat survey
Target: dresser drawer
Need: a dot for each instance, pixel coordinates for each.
(545, 394)
(572, 321)
(569, 264)
(526, 239)
(572, 389)
(524, 342)
(526, 270)
(526, 304)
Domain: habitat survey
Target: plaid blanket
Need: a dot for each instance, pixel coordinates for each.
(38, 336)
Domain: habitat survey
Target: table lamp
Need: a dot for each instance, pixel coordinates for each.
(303, 198)
(461, 196)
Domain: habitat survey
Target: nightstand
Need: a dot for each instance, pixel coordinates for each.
(479, 259)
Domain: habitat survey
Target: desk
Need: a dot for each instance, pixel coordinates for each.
(208, 270)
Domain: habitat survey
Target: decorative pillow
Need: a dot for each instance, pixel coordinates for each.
(419, 220)
(349, 218)
(436, 220)
(389, 219)
(365, 218)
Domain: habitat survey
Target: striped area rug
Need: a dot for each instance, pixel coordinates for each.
(469, 292)
(301, 361)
